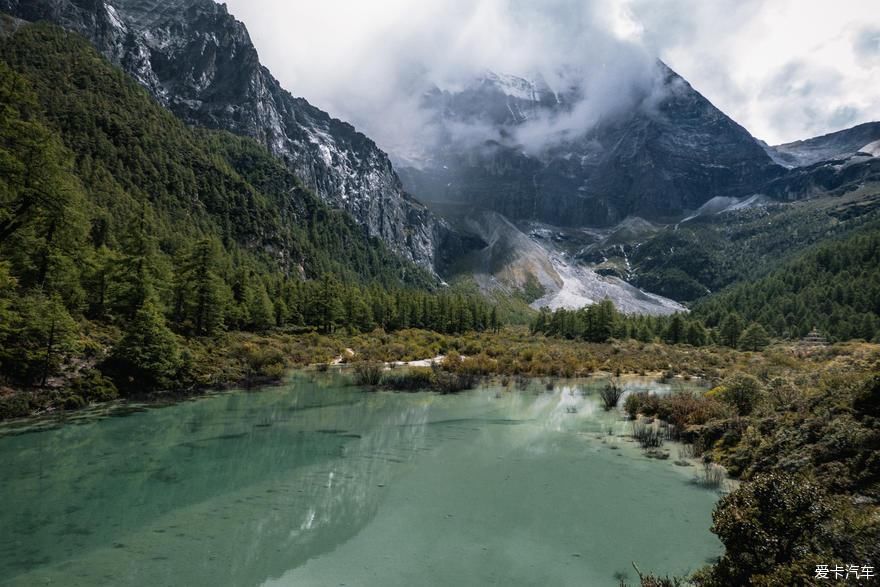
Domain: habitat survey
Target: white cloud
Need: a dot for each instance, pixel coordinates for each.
(371, 62)
(784, 69)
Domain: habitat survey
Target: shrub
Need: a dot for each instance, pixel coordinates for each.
(368, 373)
(481, 364)
(261, 359)
(415, 379)
(742, 391)
(771, 528)
(641, 402)
(446, 382)
(687, 409)
(867, 399)
(452, 361)
(712, 476)
(16, 405)
(647, 435)
(610, 395)
(91, 385)
(782, 393)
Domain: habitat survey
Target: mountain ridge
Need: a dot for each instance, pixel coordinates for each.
(198, 60)
(841, 144)
(666, 156)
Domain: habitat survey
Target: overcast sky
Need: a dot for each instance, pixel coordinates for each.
(784, 69)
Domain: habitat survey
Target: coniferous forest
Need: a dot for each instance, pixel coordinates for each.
(115, 213)
(147, 259)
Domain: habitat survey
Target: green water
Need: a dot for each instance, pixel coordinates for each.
(318, 483)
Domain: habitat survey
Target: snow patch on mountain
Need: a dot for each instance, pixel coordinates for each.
(721, 204)
(834, 146)
(872, 149)
(515, 87)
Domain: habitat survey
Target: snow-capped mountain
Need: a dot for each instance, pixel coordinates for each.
(663, 155)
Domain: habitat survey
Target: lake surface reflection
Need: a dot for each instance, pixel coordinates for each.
(319, 483)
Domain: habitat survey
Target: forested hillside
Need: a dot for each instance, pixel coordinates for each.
(115, 214)
(697, 258)
(834, 287)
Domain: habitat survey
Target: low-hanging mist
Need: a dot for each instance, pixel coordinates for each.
(373, 64)
(785, 70)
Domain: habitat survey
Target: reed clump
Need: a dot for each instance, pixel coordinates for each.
(611, 394)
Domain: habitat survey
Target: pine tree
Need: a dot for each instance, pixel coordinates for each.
(38, 337)
(148, 357)
(36, 185)
(327, 306)
(754, 338)
(696, 334)
(731, 329)
(135, 275)
(676, 331)
(200, 294)
(260, 308)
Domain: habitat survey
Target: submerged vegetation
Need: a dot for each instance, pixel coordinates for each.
(142, 257)
(611, 394)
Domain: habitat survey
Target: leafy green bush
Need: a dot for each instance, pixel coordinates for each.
(774, 529)
(742, 391)
(93, 386)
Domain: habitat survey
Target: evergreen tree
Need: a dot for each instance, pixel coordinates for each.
(148, 357)
(260, 308)
(754, 338)
(600, 319)
(731, 329)
(200, 294)
(696, 334)
(327, 306)
(136, 274)
(39, 335)
(676, 331)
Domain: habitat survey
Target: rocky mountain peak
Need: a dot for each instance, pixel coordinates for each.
(199, 61)
(664, 151)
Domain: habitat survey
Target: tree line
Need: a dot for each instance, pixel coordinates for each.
(602, 322)
(121, 228)
(834, 288)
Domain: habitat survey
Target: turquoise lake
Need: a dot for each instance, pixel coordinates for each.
(317, 482)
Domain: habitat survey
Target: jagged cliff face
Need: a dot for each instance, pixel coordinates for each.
(668, 154)
(199, 62)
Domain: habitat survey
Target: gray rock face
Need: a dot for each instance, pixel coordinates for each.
(199, 62)
(835, 177)
(667, 155)
(834, 146)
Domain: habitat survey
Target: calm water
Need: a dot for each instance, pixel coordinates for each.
(317, 483)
